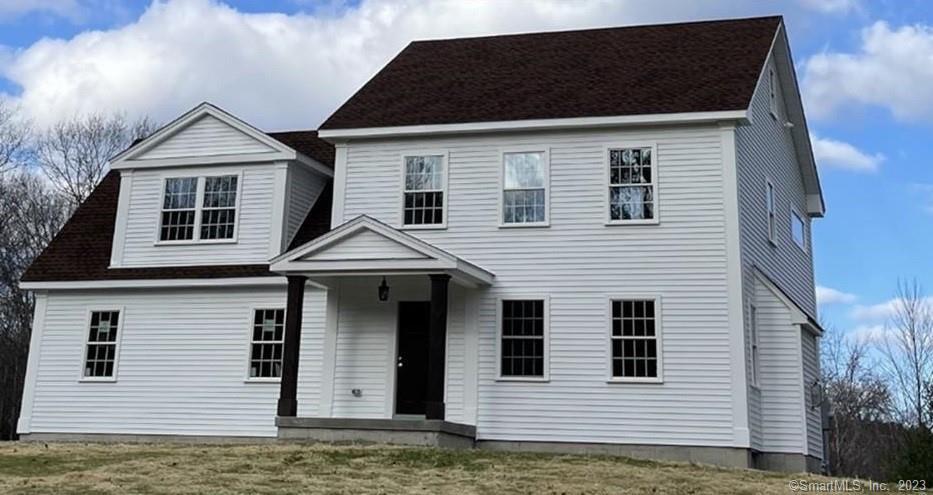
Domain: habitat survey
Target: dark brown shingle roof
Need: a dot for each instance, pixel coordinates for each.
(672, 68)
(308, 144)
(81, 249)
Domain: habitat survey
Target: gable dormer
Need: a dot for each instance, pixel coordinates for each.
(210, 189)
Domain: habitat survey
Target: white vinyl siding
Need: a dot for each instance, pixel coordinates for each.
(304, 189)
(811, 375)
(765, 152)
(142, 247)
(207, 136)
(182, 364)
(781, 376)
(581, 262)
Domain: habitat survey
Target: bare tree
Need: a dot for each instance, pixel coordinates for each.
(30, 215)
(861, 430)
(14, 137)
(907, 349)
(74, 154)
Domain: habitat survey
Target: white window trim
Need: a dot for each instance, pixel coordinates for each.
(445, 164)
(755, 346)
(771, 223)
(198, 209)
(658, 332)
(547, 187)
(806, 230)
(655, 182)
(116, 352)
(546, 377)
(249, 343)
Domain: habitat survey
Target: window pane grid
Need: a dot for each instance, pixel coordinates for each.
(631, 184)
(522, 353)
(267, 344)
(178, 209)
(100, 358)
(423, 190)
(217, 209)
(634, 339)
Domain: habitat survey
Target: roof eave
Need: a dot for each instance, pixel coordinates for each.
(342, 135)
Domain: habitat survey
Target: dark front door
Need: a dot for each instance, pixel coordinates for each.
(411, 377)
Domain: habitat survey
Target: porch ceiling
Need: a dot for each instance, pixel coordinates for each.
(366, 246)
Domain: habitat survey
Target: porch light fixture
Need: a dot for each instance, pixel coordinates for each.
(383, 291)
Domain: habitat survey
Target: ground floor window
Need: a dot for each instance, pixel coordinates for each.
(523, 329)
(268, 337)
(635, 339)
(101, 356)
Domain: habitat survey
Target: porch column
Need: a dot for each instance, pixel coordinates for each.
(288, 402)
(437, 344)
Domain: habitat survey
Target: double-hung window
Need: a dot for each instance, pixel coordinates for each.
(100, 358)
(632, 185)
(199, 209)
(524, 188)
(424, 182)
(523, 334)
(771, 210)
(267, 343)
(635, 339)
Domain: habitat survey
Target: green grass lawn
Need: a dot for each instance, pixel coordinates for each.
(317, 468)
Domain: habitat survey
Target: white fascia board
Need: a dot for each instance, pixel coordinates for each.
(151, 284)
(536, 124)
(194, 161)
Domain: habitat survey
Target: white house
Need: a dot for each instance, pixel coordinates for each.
(591, 241)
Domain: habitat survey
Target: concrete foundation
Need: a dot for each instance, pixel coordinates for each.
(133, 438)
(421, 432)
(787, 463)
(720, 456)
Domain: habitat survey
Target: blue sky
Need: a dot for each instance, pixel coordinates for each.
(865, 70)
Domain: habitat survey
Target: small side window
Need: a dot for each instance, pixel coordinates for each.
(771, 209)
(798, 230)
(267, 343)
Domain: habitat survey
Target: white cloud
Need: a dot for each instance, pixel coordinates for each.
(275, 70)
(839, 154)
(869, 334)
(891, 70)
(832, 6)
(828, 295)
(882, 311)
(14, 8)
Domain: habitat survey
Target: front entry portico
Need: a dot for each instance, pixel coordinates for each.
(348, 263)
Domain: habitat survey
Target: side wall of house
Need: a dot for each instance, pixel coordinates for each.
(765, 152)
(781, 375)
(182, 364)
(811, 374)
(579, 262)
(303, 188)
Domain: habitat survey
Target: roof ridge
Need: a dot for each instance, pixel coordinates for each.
(777, 17)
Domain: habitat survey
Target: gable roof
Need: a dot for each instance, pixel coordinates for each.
(659, 69)
(81, 249)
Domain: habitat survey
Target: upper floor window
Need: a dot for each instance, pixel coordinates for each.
(632, 185)
(524, 188)
(523, 338)
(199, 208)
(635, 338)
(423, 195)
(798, 230)
(101, 346)
(771, 210)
